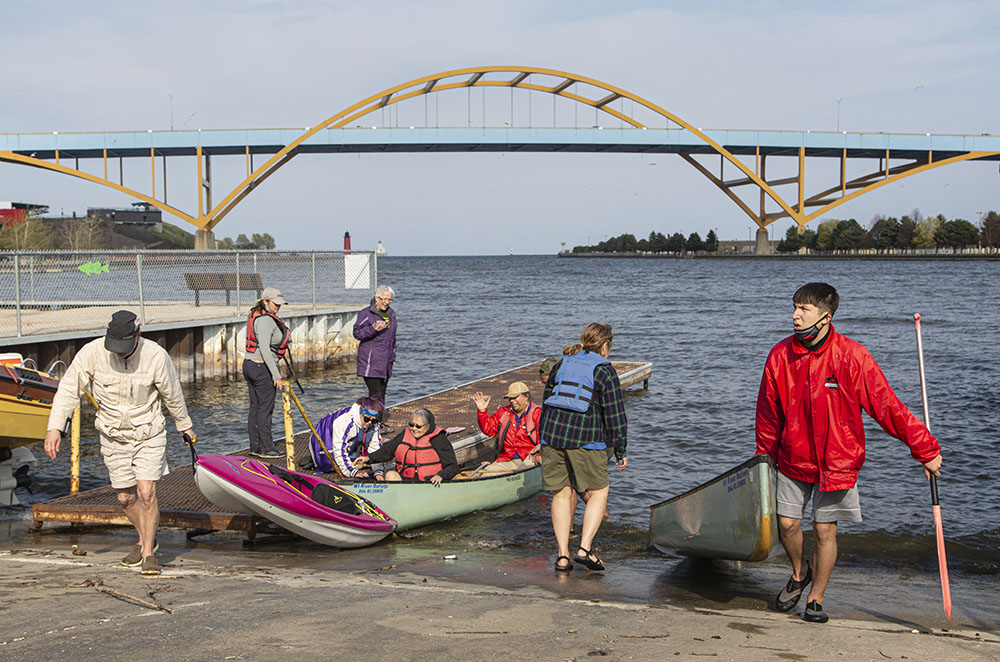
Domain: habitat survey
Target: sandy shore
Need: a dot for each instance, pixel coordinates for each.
(394, 602)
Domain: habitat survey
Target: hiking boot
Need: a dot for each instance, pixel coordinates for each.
(150, 566)
(789, 596)
(134, 558)
(814, 613)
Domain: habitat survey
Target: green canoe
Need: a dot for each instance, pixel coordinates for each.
(416, 504)
(732, 516)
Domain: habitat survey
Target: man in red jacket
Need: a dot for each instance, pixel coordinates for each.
(814, 386)
(515, 427)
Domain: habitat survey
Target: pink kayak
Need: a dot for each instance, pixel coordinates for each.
(307, 505)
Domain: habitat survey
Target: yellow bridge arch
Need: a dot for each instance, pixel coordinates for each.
(566, 86)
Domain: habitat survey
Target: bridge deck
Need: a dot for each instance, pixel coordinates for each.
(182, 505)
(94, 145)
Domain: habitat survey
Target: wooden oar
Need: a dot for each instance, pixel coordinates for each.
(326, 451)
(935, 506)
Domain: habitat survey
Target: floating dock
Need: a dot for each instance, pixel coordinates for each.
(183, 506)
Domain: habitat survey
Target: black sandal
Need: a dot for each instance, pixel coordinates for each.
(564, 568)
(585, 560)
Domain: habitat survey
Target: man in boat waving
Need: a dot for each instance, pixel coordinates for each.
(515, 427)
(814, 386)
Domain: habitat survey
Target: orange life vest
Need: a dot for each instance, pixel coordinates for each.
(416, 457)
(252, 342)
(507, 419)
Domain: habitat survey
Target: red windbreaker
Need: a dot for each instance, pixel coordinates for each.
(809, 411)
(519, 439)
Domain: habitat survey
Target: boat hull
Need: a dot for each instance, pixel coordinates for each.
(417, 504)
(25, 403)
(244, 485)
(733, 516)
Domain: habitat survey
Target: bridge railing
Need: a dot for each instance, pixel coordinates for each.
(48, 293)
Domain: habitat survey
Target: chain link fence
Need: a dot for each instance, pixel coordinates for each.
(55, 292)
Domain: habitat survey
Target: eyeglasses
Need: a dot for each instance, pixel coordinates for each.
(369, 419)
(415, 426)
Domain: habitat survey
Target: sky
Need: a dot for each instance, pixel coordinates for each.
(892, 66)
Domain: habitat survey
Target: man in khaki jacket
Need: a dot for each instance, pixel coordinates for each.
(130, 378)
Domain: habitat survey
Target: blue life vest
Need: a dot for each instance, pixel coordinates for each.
(574, 387)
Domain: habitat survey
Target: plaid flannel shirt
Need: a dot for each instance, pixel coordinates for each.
(604, 421)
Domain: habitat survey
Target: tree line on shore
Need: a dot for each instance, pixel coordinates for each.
(657, 242)
(908, 232)
(88, 233)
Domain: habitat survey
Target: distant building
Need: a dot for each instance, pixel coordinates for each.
(15, 213)
(140, 214)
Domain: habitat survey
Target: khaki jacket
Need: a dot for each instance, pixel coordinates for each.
(128, 391)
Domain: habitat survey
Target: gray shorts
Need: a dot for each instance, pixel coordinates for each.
(836, 506)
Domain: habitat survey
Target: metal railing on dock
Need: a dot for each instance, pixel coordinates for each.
(46, 292)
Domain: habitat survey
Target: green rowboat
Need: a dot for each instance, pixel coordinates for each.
(733, 516)
(416, 504)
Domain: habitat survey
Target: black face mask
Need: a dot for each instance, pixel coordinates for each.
(809, 334)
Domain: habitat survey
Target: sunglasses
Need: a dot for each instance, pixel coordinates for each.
(415, 426)
(369, 419)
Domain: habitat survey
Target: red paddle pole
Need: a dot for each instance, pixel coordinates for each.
(935, 506)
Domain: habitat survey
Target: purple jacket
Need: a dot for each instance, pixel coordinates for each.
(377, 351)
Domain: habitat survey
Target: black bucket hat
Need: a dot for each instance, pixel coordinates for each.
(122, 331)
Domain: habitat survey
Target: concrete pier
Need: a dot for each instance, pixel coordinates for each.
(205, 342)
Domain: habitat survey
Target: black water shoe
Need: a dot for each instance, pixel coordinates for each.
(814, 613)
(789, 596)
(588, 562)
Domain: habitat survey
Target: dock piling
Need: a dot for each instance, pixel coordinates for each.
(74, 452)
(286, 410)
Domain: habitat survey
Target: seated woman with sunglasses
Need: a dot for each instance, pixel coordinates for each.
(422, 452)
(347, 434)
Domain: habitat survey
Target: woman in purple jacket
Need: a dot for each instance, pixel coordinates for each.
(376, 329)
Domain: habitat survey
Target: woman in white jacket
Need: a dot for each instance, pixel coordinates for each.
(347, 434)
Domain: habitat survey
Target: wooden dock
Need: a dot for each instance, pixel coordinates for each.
(182, 505)
(205, 342)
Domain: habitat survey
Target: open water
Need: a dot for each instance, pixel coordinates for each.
(707, 326)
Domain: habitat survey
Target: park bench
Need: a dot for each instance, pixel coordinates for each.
(202, 282)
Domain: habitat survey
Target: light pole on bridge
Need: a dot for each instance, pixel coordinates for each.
(838, 114)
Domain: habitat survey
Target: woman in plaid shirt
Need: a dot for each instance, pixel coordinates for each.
(583, 418)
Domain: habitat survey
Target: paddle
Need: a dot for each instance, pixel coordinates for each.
(291, 371)
(935, 506)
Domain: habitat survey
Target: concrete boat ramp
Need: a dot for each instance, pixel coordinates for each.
(182, 505)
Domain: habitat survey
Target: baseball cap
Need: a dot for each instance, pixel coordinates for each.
(273, 294)
(516, 388)
(122, 331)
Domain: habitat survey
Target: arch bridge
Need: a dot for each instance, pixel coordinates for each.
(642, 127)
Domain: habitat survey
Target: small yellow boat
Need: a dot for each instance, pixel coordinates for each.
(25, 401)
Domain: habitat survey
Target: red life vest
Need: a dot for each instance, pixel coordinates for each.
(253, 344)
(416, 457)
(507, 419)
